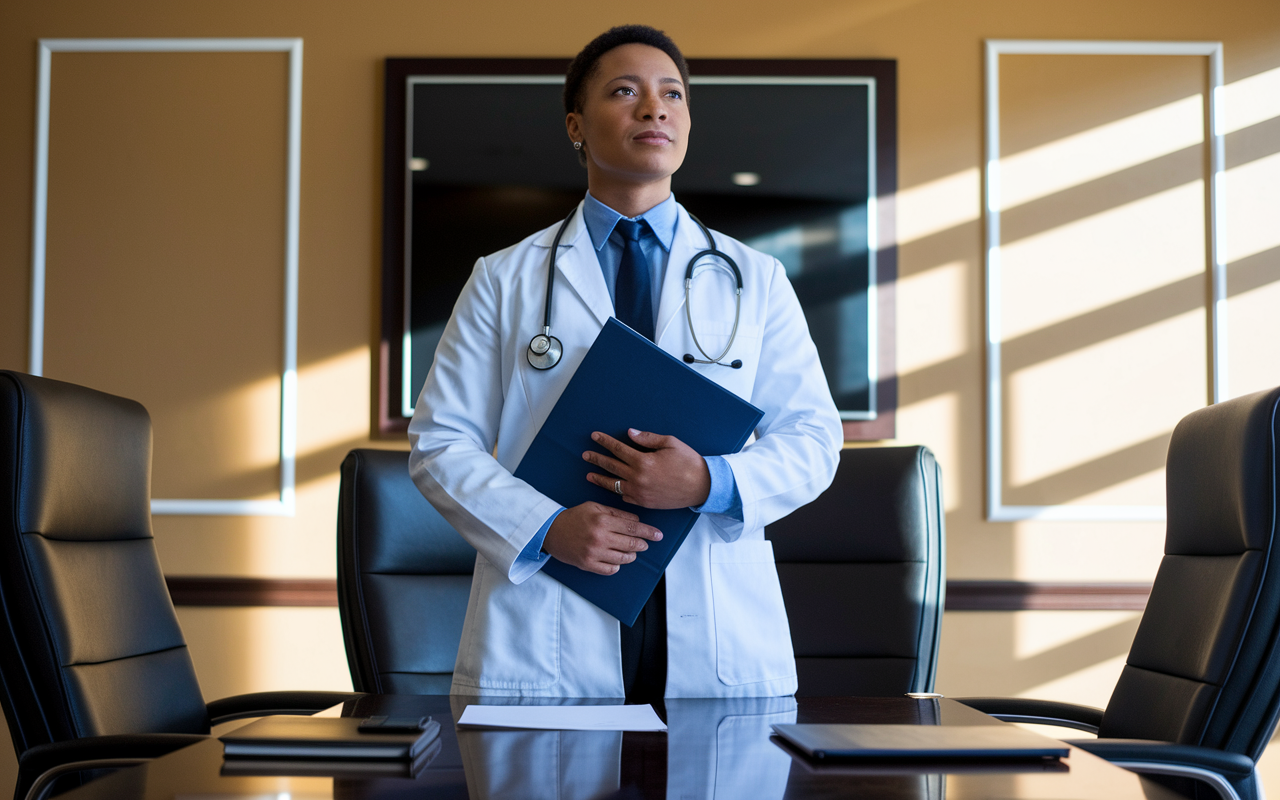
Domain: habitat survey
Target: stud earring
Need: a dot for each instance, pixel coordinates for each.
(577, 145)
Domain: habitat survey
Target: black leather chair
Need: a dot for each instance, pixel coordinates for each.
(861, 570)
(863, 575)
(1200, 693)
(404, 576)
(94, 670)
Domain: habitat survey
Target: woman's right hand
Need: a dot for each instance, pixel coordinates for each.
(598, 538)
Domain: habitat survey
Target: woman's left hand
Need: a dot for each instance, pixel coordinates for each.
(673, 475)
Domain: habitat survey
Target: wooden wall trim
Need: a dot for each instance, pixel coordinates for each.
(962, 595)
(1044, 596)
(230, 592)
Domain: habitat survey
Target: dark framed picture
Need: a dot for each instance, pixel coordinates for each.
(795, 158)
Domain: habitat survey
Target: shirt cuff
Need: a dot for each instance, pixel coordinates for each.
(533, 550)
(723, 497)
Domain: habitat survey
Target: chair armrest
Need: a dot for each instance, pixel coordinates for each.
(39, 765)
(130, 745)
(1232, 765)
(1231, 775)
(261, 704)
(1039, 712)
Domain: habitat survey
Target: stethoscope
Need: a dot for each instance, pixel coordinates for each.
(545, 350)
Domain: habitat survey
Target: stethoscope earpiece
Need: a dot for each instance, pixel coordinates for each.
(544, 349)
(689, 359)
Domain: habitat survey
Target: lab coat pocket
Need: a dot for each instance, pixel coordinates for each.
(714, 334)
(753, 640)
(516, 641)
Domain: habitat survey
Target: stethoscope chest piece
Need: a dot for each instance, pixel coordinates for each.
(544, 351)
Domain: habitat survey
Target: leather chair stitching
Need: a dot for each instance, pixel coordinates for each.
(124, 658)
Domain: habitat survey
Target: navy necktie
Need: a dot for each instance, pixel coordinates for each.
(632, 292)
(644, 644)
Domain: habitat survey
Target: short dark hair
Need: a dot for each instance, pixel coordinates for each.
(584, 64)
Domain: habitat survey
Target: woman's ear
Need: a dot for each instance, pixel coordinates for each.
(573, 124)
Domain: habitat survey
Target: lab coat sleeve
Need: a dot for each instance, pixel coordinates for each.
(455, 427)
(797, 446)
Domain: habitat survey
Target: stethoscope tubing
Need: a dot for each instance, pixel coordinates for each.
(545, 350)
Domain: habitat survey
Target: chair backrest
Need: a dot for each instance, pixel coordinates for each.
(90, 643)
(863, 575)
(1205, 663)
(404, 577)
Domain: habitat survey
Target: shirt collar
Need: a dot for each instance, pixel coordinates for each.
(601, 220)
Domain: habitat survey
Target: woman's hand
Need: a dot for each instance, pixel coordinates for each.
(597, 538)
(673, 475)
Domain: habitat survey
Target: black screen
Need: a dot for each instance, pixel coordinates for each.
(781, 166)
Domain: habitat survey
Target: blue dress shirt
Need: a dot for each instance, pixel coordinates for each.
(601, 221)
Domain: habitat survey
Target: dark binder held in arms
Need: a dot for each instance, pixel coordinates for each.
(626, 381)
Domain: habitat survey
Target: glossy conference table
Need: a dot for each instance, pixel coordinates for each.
(713, 748)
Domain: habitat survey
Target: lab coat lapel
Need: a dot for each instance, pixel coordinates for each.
(578, 266)
(686, 243)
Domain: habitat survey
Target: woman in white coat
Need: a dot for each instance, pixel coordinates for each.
(717, 626)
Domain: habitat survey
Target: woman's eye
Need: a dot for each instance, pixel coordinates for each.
(673, 93)
(624, 90)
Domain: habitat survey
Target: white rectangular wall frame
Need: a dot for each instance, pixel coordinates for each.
(284, 506)
(407, 398)
(997, 511)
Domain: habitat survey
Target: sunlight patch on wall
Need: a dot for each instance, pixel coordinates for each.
(1133, 551)
(1144, 489)
(306, 548)
(1252, 245)
(245, 463)
(242, 650)
(1255, 339)
(1039, 633)
(1089, 263)
(329, 412)
(935, 422)
(1075, 408)
(1250, 100)
(937, 205)
(1091, 686)
(1097, 152)
(297, 649)
(1253, 208)
(933, 315)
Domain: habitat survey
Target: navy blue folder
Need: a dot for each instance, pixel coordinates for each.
(626, 381)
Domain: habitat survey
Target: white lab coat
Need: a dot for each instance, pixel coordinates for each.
(527, 635)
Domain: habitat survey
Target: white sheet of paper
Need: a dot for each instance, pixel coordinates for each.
(564, 718)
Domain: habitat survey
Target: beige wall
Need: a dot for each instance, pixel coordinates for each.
(1111, 334)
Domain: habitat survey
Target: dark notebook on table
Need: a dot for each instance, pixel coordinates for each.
(878, 742)
(626, 381)
(291, 737)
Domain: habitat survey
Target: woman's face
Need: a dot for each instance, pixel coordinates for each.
(634, 122)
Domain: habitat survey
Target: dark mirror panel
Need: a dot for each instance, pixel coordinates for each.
(787, 163)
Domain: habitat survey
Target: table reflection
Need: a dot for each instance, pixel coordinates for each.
(713, 748)
(721, 748)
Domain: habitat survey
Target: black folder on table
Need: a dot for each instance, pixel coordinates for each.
(626, 381)
(920, 742)
(298, 737)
